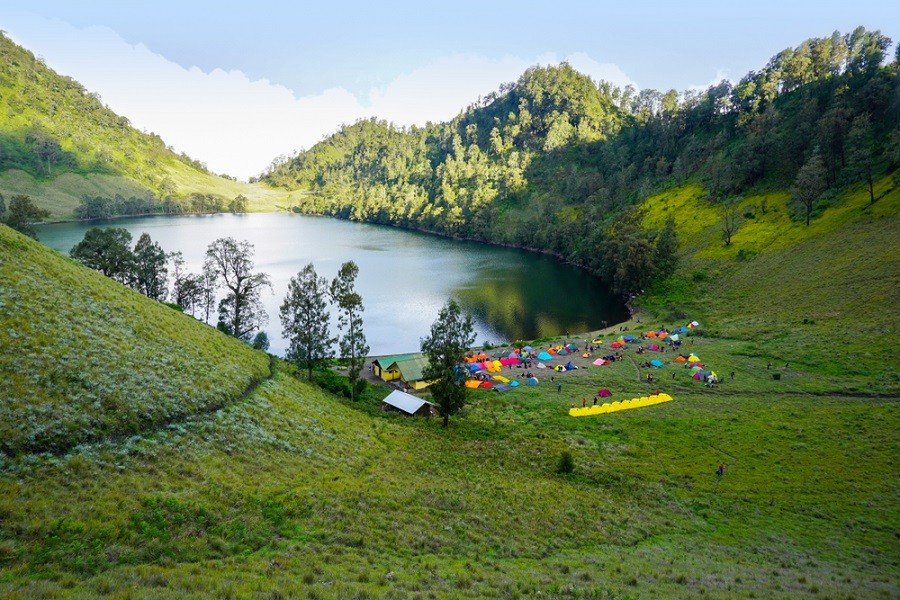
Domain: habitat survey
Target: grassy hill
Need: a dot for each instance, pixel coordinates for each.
(288, 491)
(58, 142)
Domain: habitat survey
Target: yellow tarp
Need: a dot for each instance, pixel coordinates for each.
(600, 409)
(472, 383)
(500, 378)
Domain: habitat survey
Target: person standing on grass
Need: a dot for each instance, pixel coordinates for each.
(721, 470)
(558, 388)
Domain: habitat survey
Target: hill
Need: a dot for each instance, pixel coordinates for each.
(59, 143)
(288, 491)
(550, 161)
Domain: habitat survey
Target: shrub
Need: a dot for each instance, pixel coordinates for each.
(566, 463)
(699, 276)
(261, 341)
(776, 376)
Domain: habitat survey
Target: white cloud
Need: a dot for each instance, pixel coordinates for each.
(237, 126)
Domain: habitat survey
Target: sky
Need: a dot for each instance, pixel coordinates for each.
(237, 84)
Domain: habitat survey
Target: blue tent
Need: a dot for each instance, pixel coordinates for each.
(474, 367)
(513, 383)
(545, 356)
(532, 381)
(628, 338)
(656, 363)
(528, 349)
(570, 367)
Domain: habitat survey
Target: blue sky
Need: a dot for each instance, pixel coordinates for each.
(235, 84)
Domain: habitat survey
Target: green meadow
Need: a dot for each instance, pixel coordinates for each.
(147, 455)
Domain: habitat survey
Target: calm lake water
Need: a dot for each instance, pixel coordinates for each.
(404, 277)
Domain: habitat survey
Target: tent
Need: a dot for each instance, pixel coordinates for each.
(545, 356)
(528, 349)
(585, 355)
(472, 383)
(680, 358)
(652, 347)
(570, 366)
(615, 345)
(474, 368)
(663, 335)
(650, 334)
(509, 361)
(513, 383)
(675, 337)
(500, 378)
(559, 368)
(551, 351)
(656, 363)
(541, 366)
(532, 381)
(628, 338)
(694, 324)
(604, 393)
(486, 384)
(572, 347)
(503, 387)
(514, 355)
(693, 358)
(597, 341)
(562, 352)
(601, 361)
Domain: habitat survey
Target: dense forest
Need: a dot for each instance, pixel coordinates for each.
(555, 161)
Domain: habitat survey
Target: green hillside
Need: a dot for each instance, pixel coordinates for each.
(550, 161)
(155, 477)
(87, 359)
(58, 143)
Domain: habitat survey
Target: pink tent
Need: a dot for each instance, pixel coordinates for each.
(509, 361)
(697, 375)
(604, 393)
(652, 347)
(600, 362)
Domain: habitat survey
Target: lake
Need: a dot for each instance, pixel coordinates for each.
(404, 277)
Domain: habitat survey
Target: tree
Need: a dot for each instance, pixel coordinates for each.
(352, 343)
(809, 184)
(304, 319)
(451, 336)
(261, 341)
(667, 249)
(238, 204)
(22, 213)
(241, 310)
(629, 254)
(2, 207)
(150, 272)
(861, 152)
(107, 251)
(731, 220)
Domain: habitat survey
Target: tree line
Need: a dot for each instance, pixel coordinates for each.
(551, 161)
(304, 312)
(100, 207)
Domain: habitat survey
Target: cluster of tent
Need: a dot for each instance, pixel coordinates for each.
(608, 407)
(700, 373)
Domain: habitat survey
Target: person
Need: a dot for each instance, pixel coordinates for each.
(721, 470)
(558, 388)
(769, 366)
(732, 375)
(584, 403)
(595, 400)
(673, 375)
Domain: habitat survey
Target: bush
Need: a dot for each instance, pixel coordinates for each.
(332, 382)
(566, 463)
(776, 376)
(699, 276)
(261, 341)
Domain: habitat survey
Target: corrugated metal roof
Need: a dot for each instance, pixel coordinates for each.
(405, 402)
(386, 361)
(411, 369)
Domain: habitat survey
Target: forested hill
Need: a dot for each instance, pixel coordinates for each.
(551, 160)
(59, 143)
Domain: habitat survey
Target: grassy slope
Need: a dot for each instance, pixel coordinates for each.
(293, 491)
(87, 358)
(100, 153)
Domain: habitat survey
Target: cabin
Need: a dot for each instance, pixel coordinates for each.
(407, 404)
(407, 369)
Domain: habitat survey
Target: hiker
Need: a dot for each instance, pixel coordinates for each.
(732, 375)
(769, 366)
(584, 403)
(558, 388)
(595, 401)
(673, 375)
(721, 470)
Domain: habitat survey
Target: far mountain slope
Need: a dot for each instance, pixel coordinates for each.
(58, 143)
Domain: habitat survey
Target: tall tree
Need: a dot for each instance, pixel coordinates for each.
(108, 251)
(809, 185)
(731, 220)
(451, 336)
(21, 213)
(150, 272)
(352, 343)
(629, 254)
(667, 249)
(304, 319)
(861, 152)
(240, 311)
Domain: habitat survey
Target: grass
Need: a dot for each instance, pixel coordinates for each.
(292, 492)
